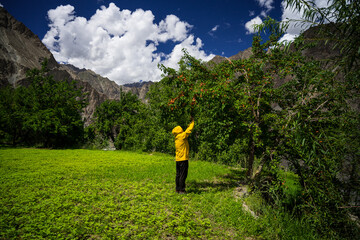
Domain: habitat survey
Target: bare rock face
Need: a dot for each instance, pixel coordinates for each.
(242, 54)
(139, 89)
(322, 49)
(101, 84)
(217, 59)
(20, 50)
(105, 86)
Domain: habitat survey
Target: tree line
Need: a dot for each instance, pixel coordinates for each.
(46, 113)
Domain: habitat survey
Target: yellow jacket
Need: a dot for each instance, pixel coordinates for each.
(181, 142)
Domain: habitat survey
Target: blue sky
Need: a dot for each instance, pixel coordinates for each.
(124, 40)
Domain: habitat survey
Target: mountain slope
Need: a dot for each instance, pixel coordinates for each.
(21, 50)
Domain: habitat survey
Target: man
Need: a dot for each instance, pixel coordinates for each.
(182, 155)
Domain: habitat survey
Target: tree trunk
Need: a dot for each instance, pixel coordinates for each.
(250, 164)
(14, 138)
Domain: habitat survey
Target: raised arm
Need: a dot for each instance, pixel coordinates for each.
(190, 127)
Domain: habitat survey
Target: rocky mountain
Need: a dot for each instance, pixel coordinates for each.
(140, 89)
(102, 85)
(322, 49)
(239, 56)
(21, 50)
(242, 54)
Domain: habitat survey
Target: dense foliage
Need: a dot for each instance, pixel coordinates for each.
(46, 113)
(290, 121)
(129, 125)
(277, 106)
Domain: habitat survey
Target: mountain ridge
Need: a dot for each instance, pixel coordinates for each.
(22, 50)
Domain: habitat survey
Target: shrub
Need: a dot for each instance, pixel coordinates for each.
(235, 154)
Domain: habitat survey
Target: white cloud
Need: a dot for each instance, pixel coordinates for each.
(287, 37)
(193, 49)
(119, 44)
(1, 5)
(263, 14)
(250, 24)
(173, 29)
(213, 30)
(267, 4)
(296, 27)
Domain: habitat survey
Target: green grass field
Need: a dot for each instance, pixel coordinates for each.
(93, 194)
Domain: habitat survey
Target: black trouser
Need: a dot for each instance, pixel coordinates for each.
(181, 174)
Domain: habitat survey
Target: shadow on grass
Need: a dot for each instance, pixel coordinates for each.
(219, 184)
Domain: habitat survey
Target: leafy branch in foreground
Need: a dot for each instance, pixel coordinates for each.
(318, 109)
(345, 33)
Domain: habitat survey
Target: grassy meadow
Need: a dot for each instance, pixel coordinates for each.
(94, 194)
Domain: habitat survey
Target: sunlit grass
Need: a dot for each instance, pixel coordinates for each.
(54, 194)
